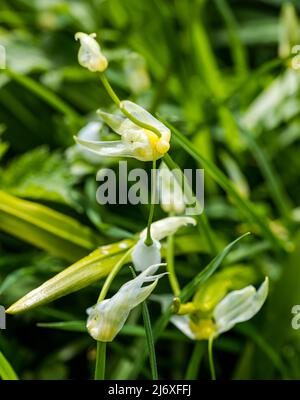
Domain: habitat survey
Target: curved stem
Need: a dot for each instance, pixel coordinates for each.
(118, 102)
(210, 358)
(100, 361)
(109, 89)
(170, 266)
(148, 240)
(112, 275)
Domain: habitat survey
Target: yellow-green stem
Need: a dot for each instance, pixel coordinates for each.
(100, 361)
(118, 102)
(112, 275)
(170, 266)
(148, 240)
(210, 358)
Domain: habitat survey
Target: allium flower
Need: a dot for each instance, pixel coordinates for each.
(136, 142)
(90, 55)
(143, 255)
(237, 306)
(108, 317)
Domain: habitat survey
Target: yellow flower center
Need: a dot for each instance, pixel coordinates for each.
(158, 145)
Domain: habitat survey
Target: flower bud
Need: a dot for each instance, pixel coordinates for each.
(90, 55)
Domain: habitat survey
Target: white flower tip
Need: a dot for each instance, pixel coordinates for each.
(90, 55)
(167, 226)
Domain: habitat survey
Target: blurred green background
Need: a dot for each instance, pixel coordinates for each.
(221, 72)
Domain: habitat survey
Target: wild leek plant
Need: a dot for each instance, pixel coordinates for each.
(195, 85)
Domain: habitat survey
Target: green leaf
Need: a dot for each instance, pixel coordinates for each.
(79, 275)
(45, 228)
(244, 204)
(39, 174)
(6, 370)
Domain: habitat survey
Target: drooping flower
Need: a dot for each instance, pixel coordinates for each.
(237, 306)
(143, 255)
(108, 317)
(136, 142)
(90, 55)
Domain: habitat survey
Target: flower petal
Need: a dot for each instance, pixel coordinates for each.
(115, 148)
(144, 116)
(90, 55)
(167, 226)
(114, 121)
(239, 306)
(107, 318)
(182, 322)
(143, 255)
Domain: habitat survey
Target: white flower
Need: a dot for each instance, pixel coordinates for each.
(89, 132)
(167, 226)
(90, 55)
(136, 142)
(171, 194)
(238, 306)
(143, 255)
(108, 317)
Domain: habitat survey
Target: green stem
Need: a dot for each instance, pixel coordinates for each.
(210, 358)
(101, 346)
(100, 361)
(112, 275)
(110, 90)
(149, 240)
(149, 337)
(170, 266)
(118, 102)
(195, 361)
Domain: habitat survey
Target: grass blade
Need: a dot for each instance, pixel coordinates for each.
(6, 370)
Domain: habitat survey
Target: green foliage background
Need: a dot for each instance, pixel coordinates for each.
(220, 72)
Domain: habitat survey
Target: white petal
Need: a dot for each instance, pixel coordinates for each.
(167, 226)
(115, 148)
(239, 306)
(143, 255)
(89, 132)
(89, 55)
(144, 116)
(182, 322)
(112, 120)
(107, 318)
